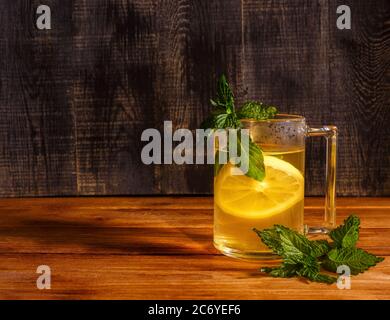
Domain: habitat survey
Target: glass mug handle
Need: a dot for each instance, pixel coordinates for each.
(330, 135)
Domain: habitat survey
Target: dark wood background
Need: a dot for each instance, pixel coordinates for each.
(74, 100)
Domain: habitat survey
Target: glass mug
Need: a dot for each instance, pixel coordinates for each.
(242, 203)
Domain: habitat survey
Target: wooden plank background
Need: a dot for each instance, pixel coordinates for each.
(74, 100)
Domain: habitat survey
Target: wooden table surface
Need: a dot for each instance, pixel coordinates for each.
(158, 248)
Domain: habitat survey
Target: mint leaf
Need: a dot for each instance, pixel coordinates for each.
(295, 246)
(225, 97)
(224, 116)
(356, 259)
(320, 277)
(287, 242)
(221, 121)
(347, 234)
(299, 254)
(257, 111)
(320, 248)
(253, 160)
(305, 258)
(301, 270)
(306, 272)
(271, 239)
(311, 270)
(284, 271)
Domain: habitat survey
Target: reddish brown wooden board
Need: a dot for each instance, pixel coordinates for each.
(159, 248)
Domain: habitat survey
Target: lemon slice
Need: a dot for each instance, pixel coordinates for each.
(244, 197)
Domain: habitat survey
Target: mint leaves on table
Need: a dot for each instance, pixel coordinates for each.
(356, 259)
(300, 255)
(306, 258)
(347, 234)
(225, 116)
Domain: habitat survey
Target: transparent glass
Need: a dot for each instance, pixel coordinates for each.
(241, 203)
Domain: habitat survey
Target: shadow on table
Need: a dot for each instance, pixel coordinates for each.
(77, 237)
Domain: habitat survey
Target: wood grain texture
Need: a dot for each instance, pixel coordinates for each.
(159, 248)
(308, 66)
(74, 100)
(114, 60)
(195, 39)
(359, 76)
(36, 125)
(287, 46)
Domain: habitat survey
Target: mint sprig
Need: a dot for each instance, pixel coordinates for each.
(225, 97)
(299, 254)
(225, 116)
(306, 258)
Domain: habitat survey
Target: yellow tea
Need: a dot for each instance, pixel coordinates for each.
(242, 203)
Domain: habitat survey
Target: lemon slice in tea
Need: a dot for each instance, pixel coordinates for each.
(244, 197)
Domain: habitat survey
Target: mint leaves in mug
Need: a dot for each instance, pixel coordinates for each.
(225, 116)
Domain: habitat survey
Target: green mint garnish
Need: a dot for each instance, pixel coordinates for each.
(356, 259)
(225, 116)
(254, 158)
(257, 111)
(300, 255)
(305, 258)
(346, 235)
